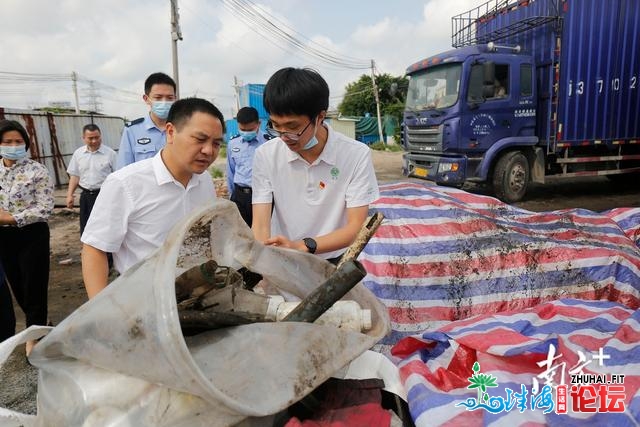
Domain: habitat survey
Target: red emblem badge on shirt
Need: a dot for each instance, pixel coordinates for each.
(322, 185)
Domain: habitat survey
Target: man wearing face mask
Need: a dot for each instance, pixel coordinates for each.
(320, 182)
(240, 152)
(146, 136)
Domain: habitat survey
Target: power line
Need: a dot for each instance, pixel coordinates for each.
(238, 46)
(251, 27)
(262, 23)
(309, 41)
(7, 75)
(30, 84)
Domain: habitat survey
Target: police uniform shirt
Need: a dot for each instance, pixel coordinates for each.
(92, 167)
(141, 139)
(240, 160)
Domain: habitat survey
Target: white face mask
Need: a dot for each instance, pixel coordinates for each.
(13, 152)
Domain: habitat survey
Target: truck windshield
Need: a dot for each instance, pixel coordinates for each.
(435, 87)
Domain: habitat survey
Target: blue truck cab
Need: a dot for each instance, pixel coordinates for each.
(532, 89)
(464, 105)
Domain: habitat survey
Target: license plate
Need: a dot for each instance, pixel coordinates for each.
(421, 172)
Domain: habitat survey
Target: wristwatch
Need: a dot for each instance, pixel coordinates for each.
(310, 244)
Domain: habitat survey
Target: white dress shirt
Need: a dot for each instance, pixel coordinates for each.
(92, 167)
(138, 205)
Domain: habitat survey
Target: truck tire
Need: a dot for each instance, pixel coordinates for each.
(511, 177)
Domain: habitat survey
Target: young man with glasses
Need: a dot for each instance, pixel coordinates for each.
(146, 136)
(319, 182)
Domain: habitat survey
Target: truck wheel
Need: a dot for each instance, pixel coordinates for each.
(511, 177)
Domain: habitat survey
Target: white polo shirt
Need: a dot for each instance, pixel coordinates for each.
(92, 167)
(138, 205)
(311, 199)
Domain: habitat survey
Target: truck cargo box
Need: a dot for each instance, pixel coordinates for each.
(596, 46)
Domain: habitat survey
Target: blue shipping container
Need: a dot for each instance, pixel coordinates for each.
(251, 95)
(597, 52)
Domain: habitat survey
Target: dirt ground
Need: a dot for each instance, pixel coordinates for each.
(18, 383)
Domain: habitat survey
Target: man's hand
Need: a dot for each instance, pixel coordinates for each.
(74, 182)
(283, 242)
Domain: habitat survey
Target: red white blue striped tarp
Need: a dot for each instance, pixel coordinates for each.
(443, 254)
(436, 366)
(468, 278)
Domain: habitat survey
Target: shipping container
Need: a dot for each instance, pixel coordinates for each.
(597, 46)
(251, 95)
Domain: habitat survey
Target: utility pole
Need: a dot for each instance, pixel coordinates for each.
(236, 87)
(74, 79)
(176, 35)
(377, 97)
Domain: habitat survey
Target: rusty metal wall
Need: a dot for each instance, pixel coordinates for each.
(54, 137)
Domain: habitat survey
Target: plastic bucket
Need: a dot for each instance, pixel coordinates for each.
(121, 358)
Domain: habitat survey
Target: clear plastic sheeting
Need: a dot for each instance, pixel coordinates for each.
(121, 358)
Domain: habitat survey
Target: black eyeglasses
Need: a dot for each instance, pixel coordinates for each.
(289, 135)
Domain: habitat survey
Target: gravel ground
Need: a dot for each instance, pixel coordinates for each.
(19, 383)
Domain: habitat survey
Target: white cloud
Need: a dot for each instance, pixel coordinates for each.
(121, 41)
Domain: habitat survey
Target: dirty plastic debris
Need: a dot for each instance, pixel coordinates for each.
(121, 359)
(343, 314)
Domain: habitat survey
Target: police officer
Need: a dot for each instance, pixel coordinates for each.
(144, 137)
(240, 160)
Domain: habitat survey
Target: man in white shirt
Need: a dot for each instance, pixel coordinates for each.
(320, 182)
(89, 167)
(139, 204)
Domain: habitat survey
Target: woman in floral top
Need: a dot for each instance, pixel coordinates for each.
(26, 201)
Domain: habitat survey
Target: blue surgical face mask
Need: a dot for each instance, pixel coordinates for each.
(312, 142)
(161, 108)
(248, 135)
(13, 152)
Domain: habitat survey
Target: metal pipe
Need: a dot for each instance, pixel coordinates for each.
(324, 296)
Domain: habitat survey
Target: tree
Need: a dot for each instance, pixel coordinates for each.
(359, 100)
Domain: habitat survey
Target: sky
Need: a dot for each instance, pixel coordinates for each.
(118, 43)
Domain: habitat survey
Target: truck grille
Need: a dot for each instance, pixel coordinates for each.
(424, 138)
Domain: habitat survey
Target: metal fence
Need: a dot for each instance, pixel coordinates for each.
(54, 137)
